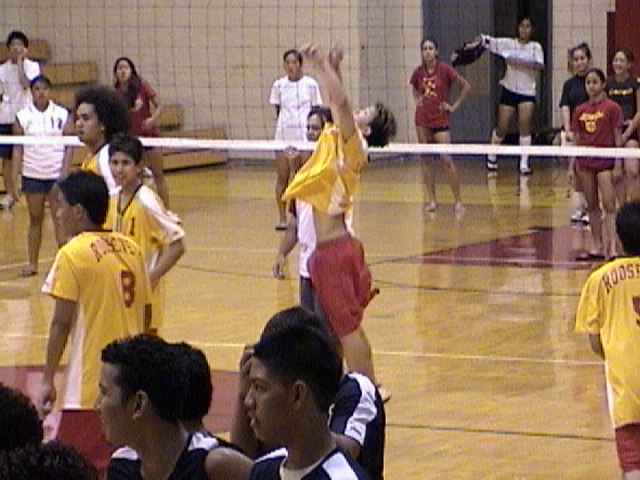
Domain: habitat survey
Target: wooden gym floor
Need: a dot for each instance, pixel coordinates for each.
(472, 331)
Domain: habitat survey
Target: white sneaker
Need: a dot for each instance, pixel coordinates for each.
(7, 202)
(578, 216)
(430, 206)
(459, 208)
(492, 165)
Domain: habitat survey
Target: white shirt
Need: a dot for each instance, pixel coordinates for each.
(517, 78)
(14, 96)
(43, 162)
(295, 100)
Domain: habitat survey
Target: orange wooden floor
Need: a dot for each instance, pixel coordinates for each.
(472, 330)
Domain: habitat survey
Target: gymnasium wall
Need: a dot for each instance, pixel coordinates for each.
(218, 58)
(575, 21)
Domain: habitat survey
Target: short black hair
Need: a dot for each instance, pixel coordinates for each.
(17, 35)
(147, 363)
(323, 112)
(298, 352)
(40, 79)
(584, 47)
(20, 424)
(598, 73)
(383, 127)
(46, 461)
(128, 144)
(295, 316)
(90, 191)
(109, 106)
(628, 227)
(429, 39)
(196, 369)
(294, 52)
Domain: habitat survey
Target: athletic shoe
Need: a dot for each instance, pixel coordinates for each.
(585, 218)
(492, 165)
(430, 206)
(7, 202)
(578, 216)
(280, 227)
(459, 208)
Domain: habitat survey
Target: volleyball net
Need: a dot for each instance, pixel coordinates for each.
(213, 62)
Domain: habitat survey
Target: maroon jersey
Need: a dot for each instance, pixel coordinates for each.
(434, 89)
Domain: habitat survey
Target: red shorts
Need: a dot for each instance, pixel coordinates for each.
(342, 282)
(83, 430)
(596, 164)
(628, 446)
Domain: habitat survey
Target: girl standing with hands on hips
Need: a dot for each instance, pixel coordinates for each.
(523, 58)
(431, 82)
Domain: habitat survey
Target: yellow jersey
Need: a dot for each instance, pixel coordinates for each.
(104, 274)
(329, 178)
(145, 220)
(610, 307)
(99, 164)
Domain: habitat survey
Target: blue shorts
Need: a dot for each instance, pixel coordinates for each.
(5, 150)
(36, 185)
(513, 99)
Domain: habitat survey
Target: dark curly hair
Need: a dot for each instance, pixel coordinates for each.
(46, 461)
(383, 127)
(20, 424)
(109, 107)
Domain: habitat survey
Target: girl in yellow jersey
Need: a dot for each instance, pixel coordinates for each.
(138, 212)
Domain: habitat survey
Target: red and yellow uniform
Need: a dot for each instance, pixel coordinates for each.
(610, 307)
(104, 274)
(145, 220)
(329, 178)
(99, 164)
(339, 274)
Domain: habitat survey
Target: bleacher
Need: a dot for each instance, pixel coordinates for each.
(68, 78)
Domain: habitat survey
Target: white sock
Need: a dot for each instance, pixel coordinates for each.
(524, 158)
(578, 201)
(495, 140)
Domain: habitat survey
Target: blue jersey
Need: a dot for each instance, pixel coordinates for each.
(358, 413)
(334, 466)
(125, 463)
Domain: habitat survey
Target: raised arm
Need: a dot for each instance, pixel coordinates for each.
(326, 70)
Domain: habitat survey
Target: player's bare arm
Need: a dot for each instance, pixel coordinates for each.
(326, 70)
